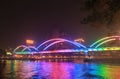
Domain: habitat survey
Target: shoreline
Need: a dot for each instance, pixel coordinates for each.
(112, 60)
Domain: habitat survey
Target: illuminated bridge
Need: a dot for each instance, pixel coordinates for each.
(60, 45)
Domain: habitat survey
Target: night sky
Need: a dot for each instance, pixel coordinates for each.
(39, 20)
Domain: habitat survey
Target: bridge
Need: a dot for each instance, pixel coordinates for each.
(73, 50)
(57, 45)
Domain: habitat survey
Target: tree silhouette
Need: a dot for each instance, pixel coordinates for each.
(101, 13)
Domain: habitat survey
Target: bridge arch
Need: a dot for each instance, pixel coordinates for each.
(105, 40)
(21, 46)
(56, 42)
(30, 47)
(59, 39)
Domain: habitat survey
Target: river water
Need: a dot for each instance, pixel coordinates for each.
(19, 69)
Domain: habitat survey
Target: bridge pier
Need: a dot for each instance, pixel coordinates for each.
(88, 57)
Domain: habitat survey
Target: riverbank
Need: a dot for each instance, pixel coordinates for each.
(111, 60)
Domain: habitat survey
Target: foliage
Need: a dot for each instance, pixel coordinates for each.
(101, 11)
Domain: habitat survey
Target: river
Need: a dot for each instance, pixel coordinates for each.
(23, 69)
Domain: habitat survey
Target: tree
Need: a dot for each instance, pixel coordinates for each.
(101, 13)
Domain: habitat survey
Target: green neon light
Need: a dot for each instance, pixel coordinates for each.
(105, 42)
(20, 47)
(22, 52)
(100, 49)
(103, 71)
(105, 38)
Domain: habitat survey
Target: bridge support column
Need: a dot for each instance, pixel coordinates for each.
(87, 57)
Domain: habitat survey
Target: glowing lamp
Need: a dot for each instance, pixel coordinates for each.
(29, 41)
(9, 53)
(79, 40)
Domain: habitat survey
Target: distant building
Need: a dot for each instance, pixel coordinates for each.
(2, 52)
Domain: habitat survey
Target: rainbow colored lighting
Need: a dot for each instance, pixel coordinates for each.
(55, 39)
(105, 42)
(23, 53)
(60, 39)
(21, 46)
(29, 47)
(81, 48)
(60, 42)
(105, 38)
(74, 50)
(64, 50)
(52, 44)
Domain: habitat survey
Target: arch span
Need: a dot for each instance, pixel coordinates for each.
(52, 44)
(104, 40)
(21, 46)
(56, 42)
(60, 39)
(30, 47)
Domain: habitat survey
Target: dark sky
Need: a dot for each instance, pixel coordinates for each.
(37, 20)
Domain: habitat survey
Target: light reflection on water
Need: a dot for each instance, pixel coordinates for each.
(18, 69)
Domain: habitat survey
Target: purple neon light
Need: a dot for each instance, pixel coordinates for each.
(30, 48)
(60, 39)
(58, 42)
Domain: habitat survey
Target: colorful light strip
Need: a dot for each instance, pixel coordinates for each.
(105, 38)
(74, 50)
(54, 41)
(60, 39)
(21, 46)
(60, 42)
(105, 42)
(52, 44)
(30, 48)
(24, 52)
(65, 50)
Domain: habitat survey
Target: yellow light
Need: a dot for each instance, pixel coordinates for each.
(9, 53)
(28, 41)
(79, 40)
